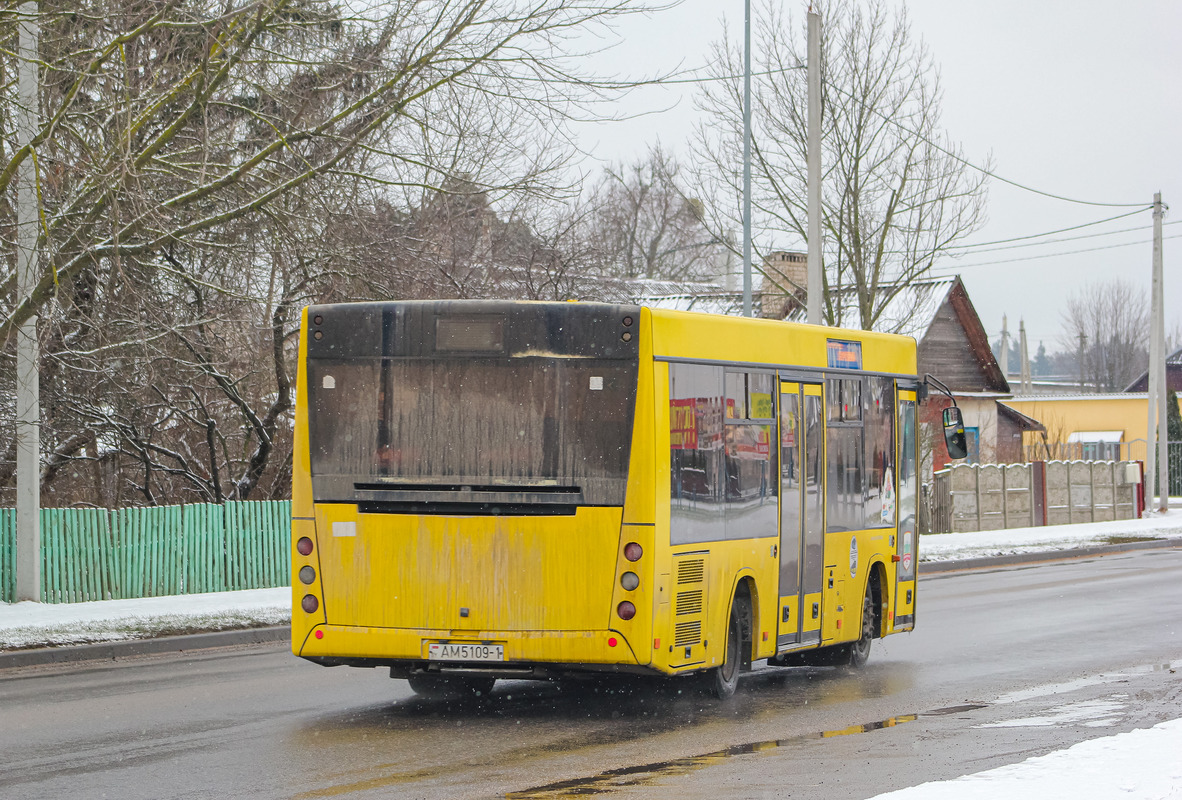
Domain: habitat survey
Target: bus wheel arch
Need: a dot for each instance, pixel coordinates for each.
(738, 645)
(871, 618)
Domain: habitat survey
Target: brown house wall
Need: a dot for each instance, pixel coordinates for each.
(1173, 380)
(946, 353)
(1009, 441)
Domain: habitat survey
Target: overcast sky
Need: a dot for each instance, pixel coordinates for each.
(1077, 98)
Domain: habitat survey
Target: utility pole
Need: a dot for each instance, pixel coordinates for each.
(1005, 349)
(1027, 384)
(815, 272)
(747, 158)
(28, 400)
(1157, 376)
(1083, 342)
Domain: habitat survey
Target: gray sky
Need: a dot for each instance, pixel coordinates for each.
(1078, 99)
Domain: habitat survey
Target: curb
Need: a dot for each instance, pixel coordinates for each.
(114, 651)
(986, 562)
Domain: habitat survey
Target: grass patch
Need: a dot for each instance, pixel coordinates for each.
(1128, 539)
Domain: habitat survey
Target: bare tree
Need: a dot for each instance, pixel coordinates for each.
(1109, 324)
(166, 119)
(646, 226)
(895, 192)
(206, 168)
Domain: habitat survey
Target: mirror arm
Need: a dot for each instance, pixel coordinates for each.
(938, 385)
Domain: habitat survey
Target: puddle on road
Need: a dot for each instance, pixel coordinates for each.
(648, 773)
(1102, 713)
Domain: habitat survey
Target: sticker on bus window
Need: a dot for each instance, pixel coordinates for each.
(597, 383)
(329, 382)
(888, 496)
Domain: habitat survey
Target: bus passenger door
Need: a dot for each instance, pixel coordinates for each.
(791, 506)
(907, 546)
(801, 530)
(813, 572)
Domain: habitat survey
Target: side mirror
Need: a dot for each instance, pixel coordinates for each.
(954, 438)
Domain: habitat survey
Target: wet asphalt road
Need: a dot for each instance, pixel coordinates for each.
(1005, 664)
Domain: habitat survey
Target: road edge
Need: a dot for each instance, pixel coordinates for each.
(128, 648)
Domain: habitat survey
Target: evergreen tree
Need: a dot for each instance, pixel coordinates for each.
(1174, 436)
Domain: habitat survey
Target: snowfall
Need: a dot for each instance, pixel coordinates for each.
(1143, 764)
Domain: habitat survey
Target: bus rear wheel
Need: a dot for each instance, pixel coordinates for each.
(724, 679)
(450, 687)
(859, 651)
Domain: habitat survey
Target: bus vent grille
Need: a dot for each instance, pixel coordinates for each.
(691, 571)
(689, 602)
(687, 633)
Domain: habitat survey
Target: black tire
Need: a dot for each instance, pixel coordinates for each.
(450, 687)
(724, 679)
(859, 651)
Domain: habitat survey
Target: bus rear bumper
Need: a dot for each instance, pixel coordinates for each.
(526, 654)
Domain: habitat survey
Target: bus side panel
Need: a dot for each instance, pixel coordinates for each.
(848, 568)
(644, 486)
(301, 473)
(301, 505)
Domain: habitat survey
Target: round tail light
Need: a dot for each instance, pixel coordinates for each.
(629, 580)
(307, 575)
(633, 551)
(625, 610)
(310, 603)
(304, 546)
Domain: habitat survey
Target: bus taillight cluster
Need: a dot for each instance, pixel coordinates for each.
(307, 575)
(629, 581)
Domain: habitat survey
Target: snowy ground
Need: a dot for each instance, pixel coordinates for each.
(1144, 764)
(1139, 765)
(25, 625)
(950, 546)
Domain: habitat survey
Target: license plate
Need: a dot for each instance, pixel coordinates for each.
(452, 651)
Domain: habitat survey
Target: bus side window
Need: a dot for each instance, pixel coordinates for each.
(696, 453)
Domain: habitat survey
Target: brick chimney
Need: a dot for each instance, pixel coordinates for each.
(790, 270)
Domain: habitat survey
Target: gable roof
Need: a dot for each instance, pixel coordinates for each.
(1142, 383)
(909, 311)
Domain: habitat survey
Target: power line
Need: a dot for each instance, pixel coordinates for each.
(1060, 230)
(982, 170)
(953, 269)
(1066, 239)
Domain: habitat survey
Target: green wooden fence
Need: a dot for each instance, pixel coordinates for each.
(115, 554)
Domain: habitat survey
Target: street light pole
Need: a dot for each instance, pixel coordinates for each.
(28, 400)
(747, 158)
(815, 275)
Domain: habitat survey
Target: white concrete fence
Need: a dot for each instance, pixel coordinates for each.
(986, 497)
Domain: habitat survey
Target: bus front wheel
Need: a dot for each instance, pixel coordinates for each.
(450, 687)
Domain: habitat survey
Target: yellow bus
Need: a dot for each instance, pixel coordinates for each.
(497, 489)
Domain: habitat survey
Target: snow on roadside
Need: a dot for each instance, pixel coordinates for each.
(25, 625)
(1138, 765)
(981, 544)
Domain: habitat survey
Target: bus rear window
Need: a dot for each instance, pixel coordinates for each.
(487, 421)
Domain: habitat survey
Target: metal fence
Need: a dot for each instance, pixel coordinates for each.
(114, 554)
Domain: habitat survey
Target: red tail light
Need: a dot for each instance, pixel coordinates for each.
(310, 603)
(633, 551)
(626, 610)
(304, 546)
